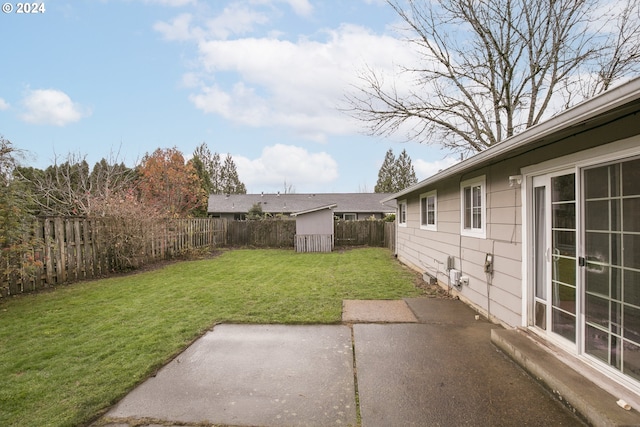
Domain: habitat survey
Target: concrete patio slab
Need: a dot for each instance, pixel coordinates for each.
(442, 311)
(598, 406)
(445, 372)
(266, 375)
(376, 311)
(441, 371)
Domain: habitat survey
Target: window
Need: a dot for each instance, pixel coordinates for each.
(350, 217)
(428, 211)
(402, 213)
(473, 209)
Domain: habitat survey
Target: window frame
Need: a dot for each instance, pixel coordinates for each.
(352, 216)
(473, 230)
(402, 213)
(424, 210)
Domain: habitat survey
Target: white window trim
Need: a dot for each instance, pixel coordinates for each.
(434, 226)
(475, 232)
(355, 216)
(402, 203)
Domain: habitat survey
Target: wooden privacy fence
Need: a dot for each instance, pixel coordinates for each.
(261, 234)
(72, 249)
(360, 233)
(282, 233)
(390, 236)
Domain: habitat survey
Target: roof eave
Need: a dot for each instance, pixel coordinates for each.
(319, 208)
(581, 113)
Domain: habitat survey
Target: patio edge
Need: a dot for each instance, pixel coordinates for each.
(590, 402)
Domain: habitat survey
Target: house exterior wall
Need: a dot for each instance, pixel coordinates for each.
(359, 216)
(427, 250)
(499, 296)
(318, 222)
(230, 216)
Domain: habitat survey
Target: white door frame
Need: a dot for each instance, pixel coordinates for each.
(545, 179)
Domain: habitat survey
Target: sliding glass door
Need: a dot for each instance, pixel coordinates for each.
(585, 262)
(612, 265)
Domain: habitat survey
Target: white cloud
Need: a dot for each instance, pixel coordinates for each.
(51, 107)
(240, 104)
(235, 19)
(178, 29)
(4, 105)
(172, 3)
(425, 169)
(293, 84)
(301, 7)
(280, 163)
(270, 81)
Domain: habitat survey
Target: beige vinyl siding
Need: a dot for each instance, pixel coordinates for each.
(427, 250)
(599, 132)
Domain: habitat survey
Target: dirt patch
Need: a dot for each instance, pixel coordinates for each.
(157, 265)
(432, 291)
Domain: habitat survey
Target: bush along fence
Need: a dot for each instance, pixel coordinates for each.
(73, 249)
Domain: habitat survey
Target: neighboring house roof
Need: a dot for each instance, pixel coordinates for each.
(294, 202)
(592, 113)
(319, 208)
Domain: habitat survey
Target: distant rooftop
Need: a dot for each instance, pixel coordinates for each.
(296, 202)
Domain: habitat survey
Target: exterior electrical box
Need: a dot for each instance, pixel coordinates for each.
(454, 277)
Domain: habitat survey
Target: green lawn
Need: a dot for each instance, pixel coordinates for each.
(68, 354)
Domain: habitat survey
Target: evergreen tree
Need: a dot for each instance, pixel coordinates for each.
(230, 183)
(404, 174)
(385, 174)
(395, 174)
(215, 173)
(205, 183)
(220, 178)
(201, 162)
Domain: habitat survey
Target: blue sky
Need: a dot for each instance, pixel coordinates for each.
(262, 80)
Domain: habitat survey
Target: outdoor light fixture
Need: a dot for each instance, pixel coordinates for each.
(515, 179)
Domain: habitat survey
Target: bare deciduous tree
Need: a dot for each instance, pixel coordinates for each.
(486, 69)
(71, 188)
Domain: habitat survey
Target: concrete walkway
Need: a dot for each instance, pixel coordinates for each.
(418, 362)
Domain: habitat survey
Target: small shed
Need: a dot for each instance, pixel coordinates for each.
(314, 229)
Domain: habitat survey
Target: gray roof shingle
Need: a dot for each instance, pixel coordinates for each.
(293, 202)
